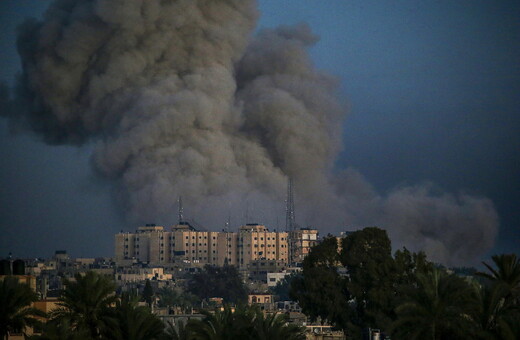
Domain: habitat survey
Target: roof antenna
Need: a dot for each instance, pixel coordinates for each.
(289, 208)
(181, 217)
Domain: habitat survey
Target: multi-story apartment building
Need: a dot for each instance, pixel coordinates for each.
(182, 244)
(300, 243)
(257, 242)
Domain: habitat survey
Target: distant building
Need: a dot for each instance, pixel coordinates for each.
(182, 245)
(138, 274)
(300, 242)
(274, 277)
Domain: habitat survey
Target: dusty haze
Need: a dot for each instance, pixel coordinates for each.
(180, 98)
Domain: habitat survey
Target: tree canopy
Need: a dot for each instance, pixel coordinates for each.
(224, 282)
(360, 285)
(16, 311)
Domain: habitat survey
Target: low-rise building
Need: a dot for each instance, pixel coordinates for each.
(138, 274)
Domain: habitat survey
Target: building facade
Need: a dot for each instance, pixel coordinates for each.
(300, 242)
(182, 245)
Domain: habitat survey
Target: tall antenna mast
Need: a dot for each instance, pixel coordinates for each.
(289, 208)
(227, 259)
(181, 217)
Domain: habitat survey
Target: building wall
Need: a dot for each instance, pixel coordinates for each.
(301, 242)
(182, 245)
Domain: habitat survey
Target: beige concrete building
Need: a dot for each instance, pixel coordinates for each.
(256, 242)
(301, 242)
(137, 274)
(184, 246)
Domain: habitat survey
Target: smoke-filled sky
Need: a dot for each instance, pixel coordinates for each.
(400, 115)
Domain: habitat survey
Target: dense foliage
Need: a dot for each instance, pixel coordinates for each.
(16, 311)
(224, 282)
(243, 323)
(355, 283)
(90, 309)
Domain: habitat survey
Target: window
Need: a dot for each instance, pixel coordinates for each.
(272, 279)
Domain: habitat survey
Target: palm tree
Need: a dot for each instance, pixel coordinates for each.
(494, 316)
(507, 272)
(60, 329)
(243, 323)
(437, 309)
(85, 302)
(276, 327)
(181, 332)
(133, 322)
(223, 324)
(15, 306)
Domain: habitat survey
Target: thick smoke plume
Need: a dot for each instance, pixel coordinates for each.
(180, 99)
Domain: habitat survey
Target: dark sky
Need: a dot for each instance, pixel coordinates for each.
(433, 90)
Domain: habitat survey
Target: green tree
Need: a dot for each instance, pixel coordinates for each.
(320, 290)
(224, 282)
(246, 322)
(85, 303)
(494, 315)
(177, 297)
(507, 272)
(407, 264)
(223, 324)
(367, 256)
(148, 293)
(16, 311)
(437, 309)
(181, 332)
(132, 322)
(276, 327)
(283, 287)
(61, 329)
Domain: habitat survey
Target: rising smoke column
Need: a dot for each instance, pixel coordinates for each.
(179, 99)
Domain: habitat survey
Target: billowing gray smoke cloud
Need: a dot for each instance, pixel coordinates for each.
(179, 99)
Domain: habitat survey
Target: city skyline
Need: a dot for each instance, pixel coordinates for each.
(432, 98)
